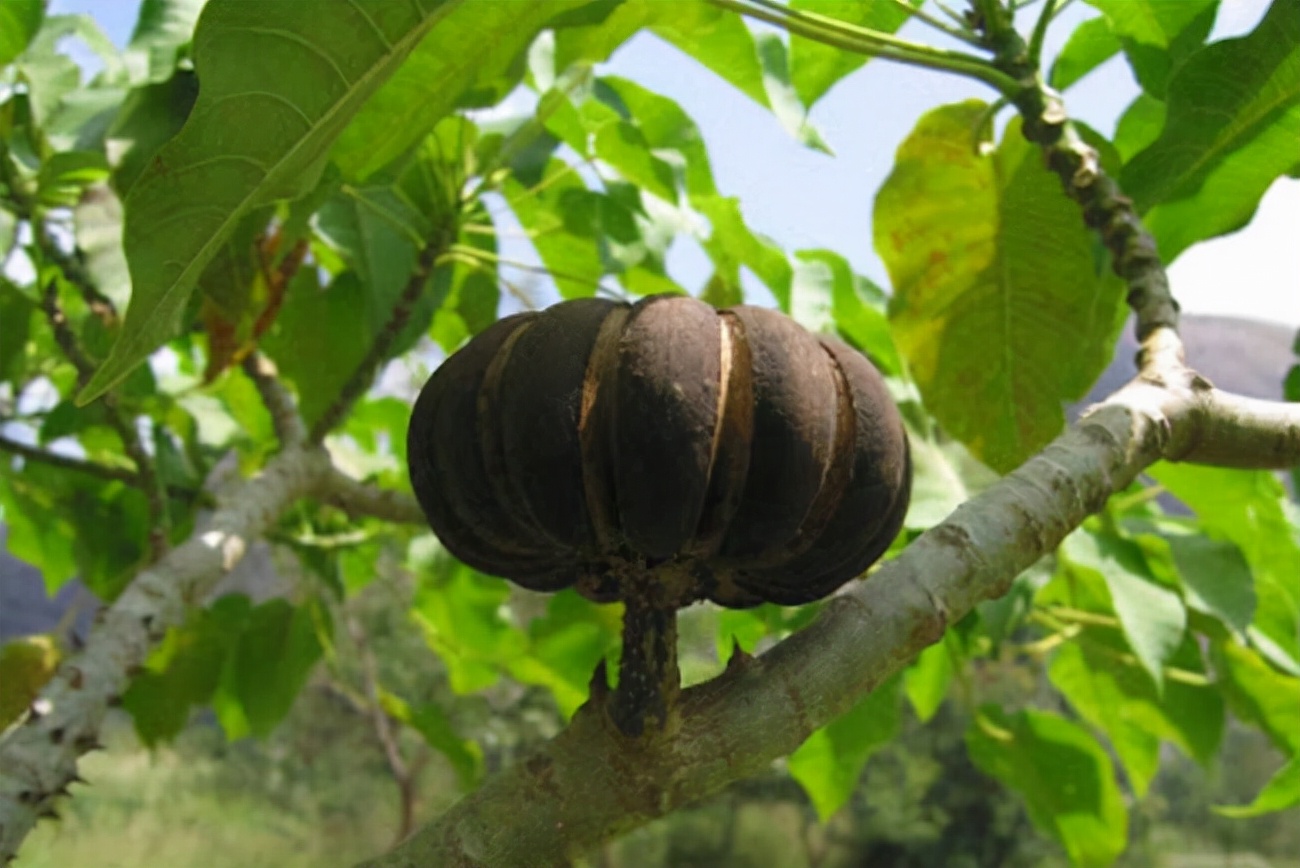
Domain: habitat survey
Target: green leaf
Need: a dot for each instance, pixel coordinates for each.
(302, 71)
(816, 67)
(459, 612)
(1234, 119)
(98, 221)
(162, 30)
(186, 669)
(1246, 507)
(666, 126)
(732, 244)
(1281, 792)
(1001, 306)
(1090, 45)
(858, 306)
(1216, 578)
(1158, 35)
(320, 337)
(829, 764)
(715, 37)
(431, 722)
(149, 116)
(64, 175)
(473, 45)
(927, 680)
(36, 532)
(1119, 700)
(1000, 618)
(276, 652)
(376, 233)
(19, 21)
(622, 146)
(16, 311)
(1152, 615)
(1259, 694)
(781, 96)
(560, 215)
(564, 647)
(1063, 775)
(1139, 126)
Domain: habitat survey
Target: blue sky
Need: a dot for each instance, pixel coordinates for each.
(806, 199)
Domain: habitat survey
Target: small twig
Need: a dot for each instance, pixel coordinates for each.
(146, 475)
(53, 459)
(474, 256)
(1045, 16)
(859, 40)
(364, 374)
(383, 727)
(960, 32)
(279, 403)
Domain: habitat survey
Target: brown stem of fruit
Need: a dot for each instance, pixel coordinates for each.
(648, 678)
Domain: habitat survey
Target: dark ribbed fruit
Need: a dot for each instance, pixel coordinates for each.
(732, 452)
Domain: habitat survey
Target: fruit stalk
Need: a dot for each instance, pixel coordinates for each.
(648, 678)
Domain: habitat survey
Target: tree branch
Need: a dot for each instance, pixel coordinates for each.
(541, 812)
(39, 757)
(285, 418)
(359, 499)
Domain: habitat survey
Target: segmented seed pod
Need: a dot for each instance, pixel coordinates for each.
(596, 439)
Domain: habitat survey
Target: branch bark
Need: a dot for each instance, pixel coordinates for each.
(545, 811)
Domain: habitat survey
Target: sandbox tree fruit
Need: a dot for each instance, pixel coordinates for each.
(660, 453)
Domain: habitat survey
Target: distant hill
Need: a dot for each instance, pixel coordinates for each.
(1244, 356)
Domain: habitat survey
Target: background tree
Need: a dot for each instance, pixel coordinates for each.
(301, 196)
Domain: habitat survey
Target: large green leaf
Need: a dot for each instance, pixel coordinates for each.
(1001, 306)
(1152, 615)
(19, 21)
(1232, 128)
(468, 56)
(1063, 775)
(270, 664)
(280, 82)
(830, 762)
(816, 67)
(1157, 35)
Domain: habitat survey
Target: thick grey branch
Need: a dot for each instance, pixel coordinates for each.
(541, 812)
